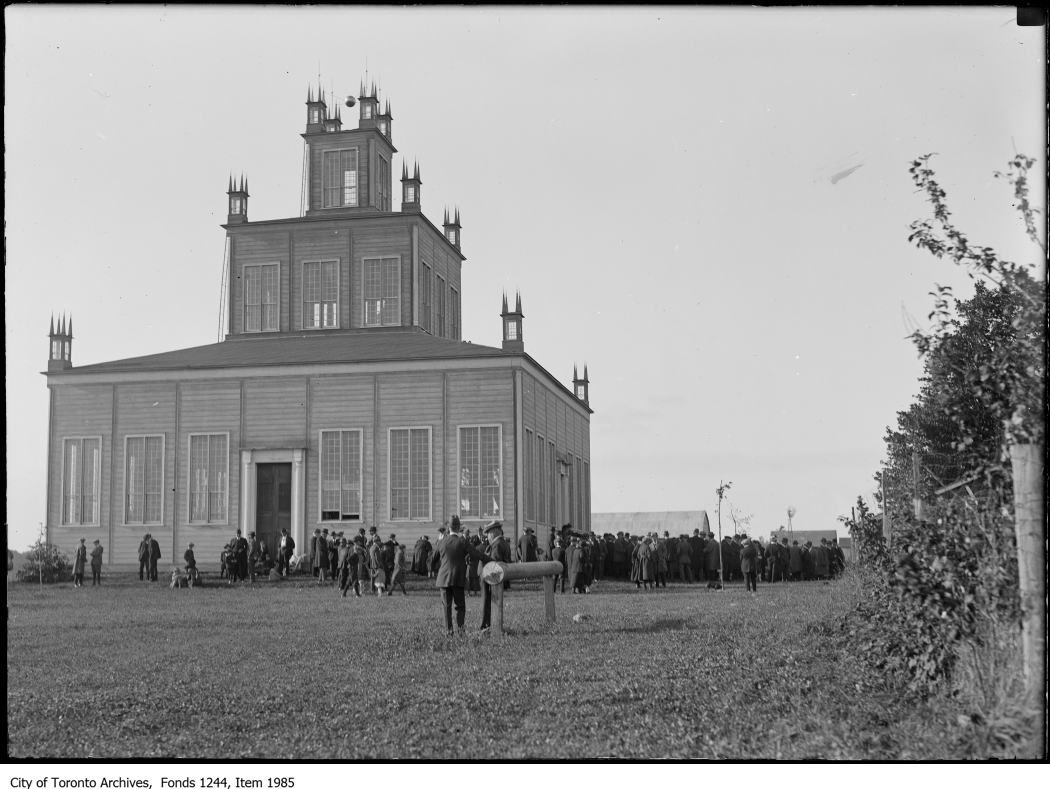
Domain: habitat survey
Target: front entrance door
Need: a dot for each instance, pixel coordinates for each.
(273, 503)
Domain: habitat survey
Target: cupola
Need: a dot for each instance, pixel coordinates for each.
(512, 337)
(60, 353)
(237, 192)
(384, 122)
(369, 103)
(316, 110)
(581, 386)
(410, 201)
(452, 230)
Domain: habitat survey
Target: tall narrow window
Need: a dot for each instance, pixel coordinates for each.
(382, 289)
(454, 314)
(339, 178)
(261, 297)
(480, 472)
(587, 493)
(552, 481)
(530, 479)
(409, 473)
(425, 287)
(578, 501)
(209, 472)
(81, 480)
(541, 481)
(320, 294)
(570, 504)
(383, 184)
(439, 313)
(340, 475)
(143, 479)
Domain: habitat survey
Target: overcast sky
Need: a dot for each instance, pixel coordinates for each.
(656, 182)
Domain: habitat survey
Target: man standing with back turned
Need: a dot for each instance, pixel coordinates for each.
(452, 553)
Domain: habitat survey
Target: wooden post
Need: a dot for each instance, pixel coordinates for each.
(548, 598)
(497, 608)
(1027, 463)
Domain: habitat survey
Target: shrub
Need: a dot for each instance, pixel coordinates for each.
(44, 562)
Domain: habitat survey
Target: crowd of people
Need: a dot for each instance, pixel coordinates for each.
(366, 563)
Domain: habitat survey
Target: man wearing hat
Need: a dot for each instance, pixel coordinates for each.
(285, 552)
(498, 550)
(191, 564)
(96, 564)
(154, 557)
(452, 553)
(144, 557)
(79, 560)
(526, 544)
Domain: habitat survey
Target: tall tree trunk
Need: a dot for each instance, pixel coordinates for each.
(1027, 462)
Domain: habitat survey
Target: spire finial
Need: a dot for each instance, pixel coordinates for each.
(404, 171)
(585, 372)
(52, 331)
(446, 215)
(517, 301)
(575, 373)
(416, 174)
(504, 302)
(71, 327)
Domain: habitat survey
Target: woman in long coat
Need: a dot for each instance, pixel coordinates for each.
(78, 563)
(636, 564)
(649, 562)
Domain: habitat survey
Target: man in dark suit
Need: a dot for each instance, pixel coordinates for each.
(498, 550)
(451, 555)
(526, 546)
(154, 557)
(285, 552)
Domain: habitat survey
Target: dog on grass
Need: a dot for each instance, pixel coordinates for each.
(181, 578)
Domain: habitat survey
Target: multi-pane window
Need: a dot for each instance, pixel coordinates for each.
(235, 205)
(143, 478)
(81, 480)
(578, 501)
(409, 473)
(480, 472)
(383, 184)
(366, 110)
(410, 194)
(382, 289)
(320, 294)
(425, 301)
(530, 479)
(454, 313)
(340, 475)
(439, 312)
(261, 297)
(209, 472)
(339, 178)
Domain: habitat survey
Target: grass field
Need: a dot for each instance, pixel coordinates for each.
(291, 670)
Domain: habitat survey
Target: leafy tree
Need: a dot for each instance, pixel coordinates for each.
(45, 563)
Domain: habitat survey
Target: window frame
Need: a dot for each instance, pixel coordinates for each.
(302, 291)
(189, 480)
(440, 306)
(364, 291)
(454, 327)
(341, 187)
(430, 473)
(383, 183)
(426, 297)
(277, 304)
(144, 522)
(481, 516)
(360, 475)
(97, 509)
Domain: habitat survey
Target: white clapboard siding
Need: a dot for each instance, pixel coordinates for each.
(275, 413)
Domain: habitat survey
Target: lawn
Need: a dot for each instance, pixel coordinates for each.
(292, 670)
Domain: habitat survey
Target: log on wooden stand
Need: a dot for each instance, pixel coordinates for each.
(495, 573)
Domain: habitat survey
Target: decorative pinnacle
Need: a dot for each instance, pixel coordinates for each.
(575, 374)
(457, 216)
(71, 327)
(504, 302)
(446, 216)
(416, 174)
(585, 378)
(404, 171)
(517, 302)
(52, 331)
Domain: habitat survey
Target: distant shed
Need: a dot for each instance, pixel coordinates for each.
(675, 523)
